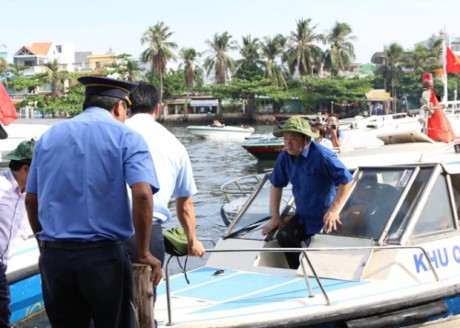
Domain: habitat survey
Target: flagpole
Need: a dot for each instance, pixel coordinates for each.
(444, 65)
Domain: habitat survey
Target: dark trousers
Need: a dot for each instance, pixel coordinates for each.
(290, 235)
(157, 247)
(88, 283)
(5, 299)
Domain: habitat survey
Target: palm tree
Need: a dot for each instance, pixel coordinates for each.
(249, 67)
(219, 63)
(303, 54)
(272, 50)
(188, 56)
(341, 54)
(55, 76)
(159, 51)
(421, 59)
(390, 71)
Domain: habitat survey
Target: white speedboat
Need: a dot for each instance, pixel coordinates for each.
(223, 131)
(393, 262)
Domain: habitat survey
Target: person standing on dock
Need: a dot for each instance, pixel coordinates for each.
(12, 214)
(174, 172)
(320, 185)
(78, 207)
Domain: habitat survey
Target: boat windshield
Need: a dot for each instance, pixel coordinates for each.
(257, 208)
(373, 199)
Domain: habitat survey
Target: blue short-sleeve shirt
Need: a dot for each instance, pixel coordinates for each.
(79, 172)
(314, 175)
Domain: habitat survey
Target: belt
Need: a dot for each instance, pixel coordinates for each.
(76, 245)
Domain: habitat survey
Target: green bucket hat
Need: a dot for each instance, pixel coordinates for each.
(296, 124)
(24, 151)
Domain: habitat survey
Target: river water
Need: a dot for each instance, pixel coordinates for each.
(214, 162)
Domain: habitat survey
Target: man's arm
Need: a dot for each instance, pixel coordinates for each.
(186, 215)
(334, 138)
(331, 217)
(31, 202)
(275, 201)
(142, 220)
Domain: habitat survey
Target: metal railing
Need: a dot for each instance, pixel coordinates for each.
(304, 254)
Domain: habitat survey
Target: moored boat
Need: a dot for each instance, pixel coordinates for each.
(265, 148)
(393, 262)
(224, 132)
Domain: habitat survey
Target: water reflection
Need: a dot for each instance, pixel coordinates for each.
(215, 162)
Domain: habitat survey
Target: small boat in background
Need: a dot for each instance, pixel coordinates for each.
(219, 130)
(265, 148)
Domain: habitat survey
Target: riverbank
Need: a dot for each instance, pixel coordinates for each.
(231, 118)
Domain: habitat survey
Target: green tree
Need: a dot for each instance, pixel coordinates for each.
(272, 53)
(4, 70)
(125, 68)
(219, 64)
(55, 76)
(159, 51)
(188, 56)
(303, 54)
(341, 54)
(249, 66)
(391, 70)
(334, 91)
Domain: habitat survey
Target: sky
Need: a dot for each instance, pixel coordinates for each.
(101, 25)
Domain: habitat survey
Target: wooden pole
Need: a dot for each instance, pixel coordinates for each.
(143, 294)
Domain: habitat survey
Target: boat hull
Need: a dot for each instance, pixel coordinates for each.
(26, 298)
(247, 299)
(264, 153)
(24, 280)
(224, 132)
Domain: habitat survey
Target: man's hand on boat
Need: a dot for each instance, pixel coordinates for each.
(331, 218)
(151, 260)
(273, 224)
(195, 248)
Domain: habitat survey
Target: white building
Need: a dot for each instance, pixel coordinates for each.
(40, 53)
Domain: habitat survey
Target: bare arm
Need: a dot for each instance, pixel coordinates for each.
(32, 212)
(142, 220)
(275, 201)
(186, 215)
(331, 217)
(334, 138)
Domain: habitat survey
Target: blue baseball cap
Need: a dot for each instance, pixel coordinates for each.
(105, 86)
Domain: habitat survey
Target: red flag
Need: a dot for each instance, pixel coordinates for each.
(7, 110)
(452, 62)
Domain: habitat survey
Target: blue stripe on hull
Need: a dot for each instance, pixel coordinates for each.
(26, 298)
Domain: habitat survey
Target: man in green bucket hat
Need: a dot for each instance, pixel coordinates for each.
(320, 184)
(13, 219)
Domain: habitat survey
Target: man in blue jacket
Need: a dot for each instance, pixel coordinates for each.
(320, 184)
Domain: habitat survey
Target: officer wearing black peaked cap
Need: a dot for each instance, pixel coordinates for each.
(79, 209)
(104, 86)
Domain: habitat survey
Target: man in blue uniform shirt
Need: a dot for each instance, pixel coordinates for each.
(78, 208)
(320, 184)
